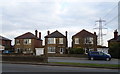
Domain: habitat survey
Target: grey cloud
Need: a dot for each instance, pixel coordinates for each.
(71, 16)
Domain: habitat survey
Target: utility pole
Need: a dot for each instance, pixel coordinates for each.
(119, 17)
(100, 33)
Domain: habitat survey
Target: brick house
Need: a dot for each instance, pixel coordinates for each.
(56, 43)
(84, 39)
(6, 43)
(27, 43)
(115, 40)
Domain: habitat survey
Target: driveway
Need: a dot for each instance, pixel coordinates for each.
(81, 60)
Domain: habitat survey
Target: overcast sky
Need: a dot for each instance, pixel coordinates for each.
(20, 16)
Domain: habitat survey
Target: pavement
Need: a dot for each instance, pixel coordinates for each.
(6, 67)
(81, 60)
(54, 64)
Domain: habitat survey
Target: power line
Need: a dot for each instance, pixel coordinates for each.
(110, 11)
(111, 20)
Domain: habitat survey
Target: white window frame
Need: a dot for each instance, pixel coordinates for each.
(27, 41)
(88, 39)
(51, 41)
(77, 41)
(27, 50)
(61, 41)
(51, 50)
(17, 42)
(61, 50)
(91, 40)
(17, 50)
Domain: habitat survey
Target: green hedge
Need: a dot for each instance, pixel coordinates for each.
(68, 55)
(114, 50)
(76, 51)
(25, 58)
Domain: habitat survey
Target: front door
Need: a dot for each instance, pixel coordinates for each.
(61, 50)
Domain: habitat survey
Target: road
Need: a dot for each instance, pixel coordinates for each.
(44, 68)
(81, 60)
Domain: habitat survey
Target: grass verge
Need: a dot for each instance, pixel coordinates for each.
(88, 64)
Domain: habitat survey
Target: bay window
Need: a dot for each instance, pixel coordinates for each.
(51, 49)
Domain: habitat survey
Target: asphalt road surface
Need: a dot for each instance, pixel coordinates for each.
(81, 60)
(44, 68)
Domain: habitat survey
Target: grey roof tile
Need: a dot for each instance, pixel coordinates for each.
(3, 38)
(55, 34)
(27, 35)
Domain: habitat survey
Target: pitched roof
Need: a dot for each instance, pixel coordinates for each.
(27, 35)
(83, 33)
(55, 34)
(113, 39)
(3, 38)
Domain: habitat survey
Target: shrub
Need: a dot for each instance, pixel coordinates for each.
(114, 50)
(76, 51)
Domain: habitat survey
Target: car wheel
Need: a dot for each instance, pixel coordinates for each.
(107, 59)
(91, 58)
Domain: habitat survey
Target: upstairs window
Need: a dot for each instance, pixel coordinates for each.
(27, 41)
(60, 40)
(51, 41)
(17, 42)
(77, 41)
(88, 40)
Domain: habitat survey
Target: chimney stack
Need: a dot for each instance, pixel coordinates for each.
(39, 35)
(115, 34)
(36, 33)
(95, 33)
(48, 32)
(66, 39)
(66, 33)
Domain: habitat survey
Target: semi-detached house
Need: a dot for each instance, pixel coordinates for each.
(6, 43)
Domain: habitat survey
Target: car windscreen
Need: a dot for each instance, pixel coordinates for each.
(95, 53)
(101, 53)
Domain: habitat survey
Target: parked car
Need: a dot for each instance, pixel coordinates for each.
(92, 55)
(7, 51)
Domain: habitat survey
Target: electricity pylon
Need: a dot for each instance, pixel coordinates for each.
(100, 33)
